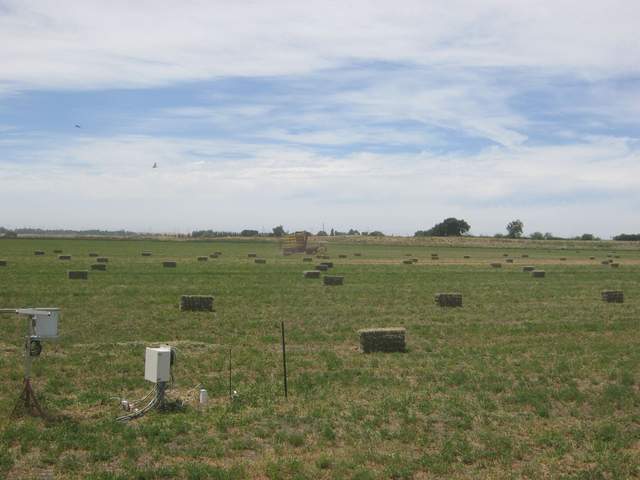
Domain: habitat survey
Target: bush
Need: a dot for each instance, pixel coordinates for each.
(249, 233)
(634, 237)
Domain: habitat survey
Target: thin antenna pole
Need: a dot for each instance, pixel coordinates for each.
(284, 360)
(230, 392)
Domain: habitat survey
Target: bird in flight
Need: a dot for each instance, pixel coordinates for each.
(78, 126)
(155, 165)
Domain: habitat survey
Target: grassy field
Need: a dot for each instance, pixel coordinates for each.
(532, 378)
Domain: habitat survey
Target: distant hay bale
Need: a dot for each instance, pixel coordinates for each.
(528, 268)
(524, 255)
(604, 262)
(357, 254)
(328, 264)
(538, 273)
(93, 254)
(407, 262)
(505, 254)
(3, 263)
(615, 264)
(260, 260)
(57, 251)
(592, 258)
(382, 340)
(467, 256)
(616, 256)
(408, 254)
(38, 253)
(509, 260)
(563, 259)
(496, 265)
(213, 255)
(102, 260)
(252, 255)
(612, 296)
(307, 259)
(449, 299)
(324, 257)
(64, 257)
(99, 266)
(196, 303)
(321, 267)
(342, 255)
(311, 274)
(78, 274)
(217, 253)
(333, 280)
(169, 264)
(203, 259)
(147, 254)
(414, 260)
(609, 255)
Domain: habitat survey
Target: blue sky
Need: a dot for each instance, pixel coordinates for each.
(371, 115)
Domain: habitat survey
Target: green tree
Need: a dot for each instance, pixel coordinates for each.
(449, 227)
(515, 229)
(279, 231)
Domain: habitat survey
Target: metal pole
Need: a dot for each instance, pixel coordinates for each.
(230, 391)
(284, 361)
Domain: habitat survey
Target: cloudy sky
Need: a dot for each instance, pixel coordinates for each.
(387, 115)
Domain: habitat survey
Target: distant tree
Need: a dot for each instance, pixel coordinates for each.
(628, 237)
(364, 234)
(332, 232)
(321, 233)
(376, 233)
(515, 229)
(499, 235)
(549, 236)
(537, 236)
(449, 227)
(279, 231)
(588, 236)
(353, 232)
(249, 233)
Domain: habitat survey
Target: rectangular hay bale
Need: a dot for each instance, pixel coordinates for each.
(38, 253)
(64, 257)
(169, 264)
(102, 260)
(528, 268)
(260, 260)
(321, 267)
(99, 266)
(382, 340)
(612, 296)
(203, 259)
(538, 273)
(3, 263)
(196, 303)
(333, 280)
(311, 274)
(93, 254)
(78, 274)
(449, 299)
(146, 254)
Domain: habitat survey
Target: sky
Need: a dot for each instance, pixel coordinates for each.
(373, 115)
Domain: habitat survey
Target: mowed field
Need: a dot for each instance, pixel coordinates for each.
(531, 378)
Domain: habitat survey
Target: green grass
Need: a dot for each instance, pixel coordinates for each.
(530, 378)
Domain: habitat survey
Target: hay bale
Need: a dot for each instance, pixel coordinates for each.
(414, 260)
(307, 259)
(563, 259)
(311, 274)
(324, 257)
(382, 340)
(592, 258)
(407, 262)
(333, 280)
(78, 274)
(93, 254)
(612, 296)
(509, 260)
(609, 255)
(147, 254)
(496, 265)
(260, 260)
(321, 267)
(102, 260)
(64, 257)
(614, 264)
(524, 255)
(3, 263)
(538, 273)
(169, 264)
(357, 254)
(252, 255)
(57, 251)
(616, 256)
(217, 253)
(213, 255)
(528, 268)
(604, 262)
(38, 253)
(203, 259)
(328, 264)
(342, 255)
(505, 254)
(449, 299)
(99, 266)
(196, 303)
(467, 256)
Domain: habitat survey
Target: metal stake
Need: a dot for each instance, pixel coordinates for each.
(284, 361)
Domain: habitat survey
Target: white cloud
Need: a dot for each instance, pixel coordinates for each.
(95, 44)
